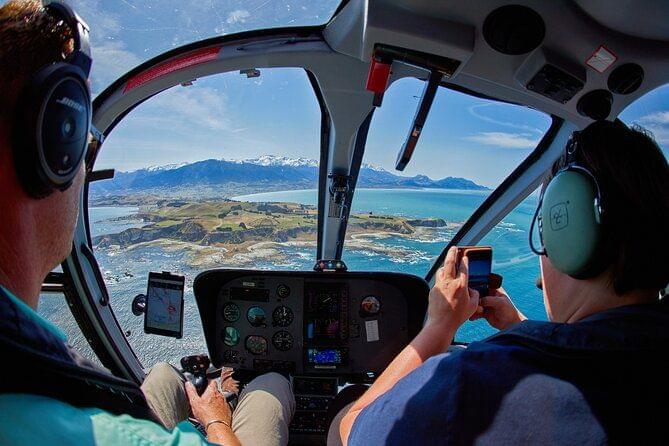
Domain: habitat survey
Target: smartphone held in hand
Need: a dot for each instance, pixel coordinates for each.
(480, 266)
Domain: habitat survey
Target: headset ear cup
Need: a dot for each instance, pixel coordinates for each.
(571, 230)
(51, 129)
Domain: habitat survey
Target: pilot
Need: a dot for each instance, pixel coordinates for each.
(596, 373)
(48, 393)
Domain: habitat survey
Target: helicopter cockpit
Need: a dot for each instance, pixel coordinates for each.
(282, 198)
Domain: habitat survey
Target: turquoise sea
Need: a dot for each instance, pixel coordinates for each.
(125, 271)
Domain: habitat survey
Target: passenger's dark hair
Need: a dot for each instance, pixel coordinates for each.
(633, 175)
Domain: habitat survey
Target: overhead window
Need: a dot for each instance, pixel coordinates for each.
(651, 112)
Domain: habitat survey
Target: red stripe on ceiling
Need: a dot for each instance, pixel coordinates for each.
(189, 60)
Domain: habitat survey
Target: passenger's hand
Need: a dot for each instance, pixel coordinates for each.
(451, 301)
(210, 406)
(498, 310)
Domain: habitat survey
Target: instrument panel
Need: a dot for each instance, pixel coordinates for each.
(313, 323)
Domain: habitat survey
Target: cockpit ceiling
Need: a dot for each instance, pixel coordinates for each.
(646, 19)
(573, 33)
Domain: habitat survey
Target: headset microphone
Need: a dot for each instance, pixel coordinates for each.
(50, 133)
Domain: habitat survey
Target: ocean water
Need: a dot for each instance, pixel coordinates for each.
(125, 271)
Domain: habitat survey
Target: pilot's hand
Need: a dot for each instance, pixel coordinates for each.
(210, 406)
(498, 310)
(451, 301)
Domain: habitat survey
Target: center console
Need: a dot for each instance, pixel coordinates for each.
(321, 329)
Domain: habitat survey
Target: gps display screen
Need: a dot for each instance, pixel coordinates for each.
(330, 356)
(164, 305)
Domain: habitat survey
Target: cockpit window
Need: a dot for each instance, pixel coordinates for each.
(401, 221)
(127, 33)
(196, 167)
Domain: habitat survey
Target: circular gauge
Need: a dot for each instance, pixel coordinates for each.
(283, 291)
(282, 340)
(256, 345)
(370, 305)
(231, 356)
(282, 316)
(230, 312)
(230, 336)
(256, 316)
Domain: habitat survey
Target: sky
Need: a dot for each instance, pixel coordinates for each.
(231, 116)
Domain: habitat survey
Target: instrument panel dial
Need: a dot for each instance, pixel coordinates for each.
(256, 345)
(282, 316)
(230, 336)
(283, 291)
(282, 340)
(256, 316)
(370, 305)
(231, 312)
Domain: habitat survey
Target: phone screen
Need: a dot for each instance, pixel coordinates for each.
(480, 266)
(164, 305)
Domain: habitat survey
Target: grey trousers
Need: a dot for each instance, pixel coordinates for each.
(263, 413)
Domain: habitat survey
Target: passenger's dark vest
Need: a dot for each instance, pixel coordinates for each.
(36, 361)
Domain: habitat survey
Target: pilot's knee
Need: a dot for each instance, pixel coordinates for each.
(162, 368)
(273, 383)
(275, 379)
(163, 372)
(276, 385)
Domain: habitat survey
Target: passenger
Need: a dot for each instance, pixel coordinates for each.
(35, 236)
(595, 374)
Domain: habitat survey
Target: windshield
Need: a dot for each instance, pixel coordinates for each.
(189, 163)
(468, 146)
(126, 33)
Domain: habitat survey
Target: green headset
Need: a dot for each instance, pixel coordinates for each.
(569, 217)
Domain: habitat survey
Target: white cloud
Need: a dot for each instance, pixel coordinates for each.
(111, 59)
(658, 124)
(505, 140)
(657, 118)
(102, 23)
(238, 15)
(186, 109)
(474, 111)
(660, 133)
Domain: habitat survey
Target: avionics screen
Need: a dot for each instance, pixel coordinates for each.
(325, 313)
(249, 294)
(330, 356)
(164, 306)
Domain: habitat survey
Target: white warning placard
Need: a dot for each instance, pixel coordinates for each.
(372, 329)
(601, 59)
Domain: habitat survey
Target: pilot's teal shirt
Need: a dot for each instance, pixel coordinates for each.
(32, 419)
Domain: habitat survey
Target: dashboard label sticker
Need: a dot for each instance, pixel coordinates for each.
(372, 329)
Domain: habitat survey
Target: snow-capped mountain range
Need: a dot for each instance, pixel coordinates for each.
(263, 160)
(264, 173)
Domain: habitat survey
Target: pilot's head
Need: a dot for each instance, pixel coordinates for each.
(631, 260)
(39, 227)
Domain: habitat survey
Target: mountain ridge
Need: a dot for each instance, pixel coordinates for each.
(266, 172)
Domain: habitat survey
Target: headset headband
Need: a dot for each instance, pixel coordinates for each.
(81, 55)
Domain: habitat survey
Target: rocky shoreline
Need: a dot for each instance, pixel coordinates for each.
(238, 223)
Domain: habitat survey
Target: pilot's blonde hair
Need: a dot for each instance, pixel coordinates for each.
(29, 39)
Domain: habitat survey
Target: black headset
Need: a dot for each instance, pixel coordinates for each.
(51, 129)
